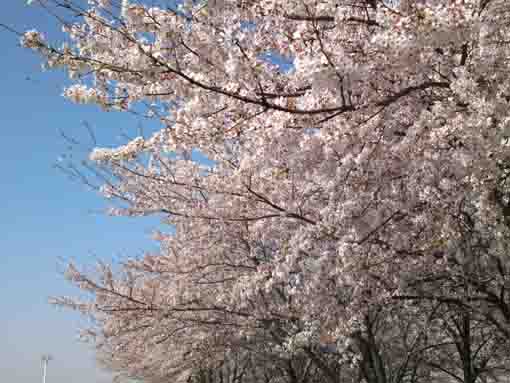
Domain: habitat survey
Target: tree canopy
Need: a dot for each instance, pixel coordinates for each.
(352, 220)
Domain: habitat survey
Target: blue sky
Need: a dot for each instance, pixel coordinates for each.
(45, 216)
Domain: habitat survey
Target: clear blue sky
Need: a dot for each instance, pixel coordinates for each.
(45, 216)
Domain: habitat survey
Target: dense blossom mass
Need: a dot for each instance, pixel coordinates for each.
(352, 220)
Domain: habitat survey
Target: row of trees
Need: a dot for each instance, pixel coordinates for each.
(352, 221)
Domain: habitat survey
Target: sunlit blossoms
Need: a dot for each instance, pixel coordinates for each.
(334, 179)
(80, 94)
(33, 40)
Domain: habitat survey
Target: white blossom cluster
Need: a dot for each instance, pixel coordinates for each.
(122, 153)
(33, 39)
(81, 94)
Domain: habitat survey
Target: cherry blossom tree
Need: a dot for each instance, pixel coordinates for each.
(351, 222)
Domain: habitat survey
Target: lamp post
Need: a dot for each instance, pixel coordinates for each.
(44, 361)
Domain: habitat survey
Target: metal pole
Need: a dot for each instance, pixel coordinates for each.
(45, 365)
(45, 359)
